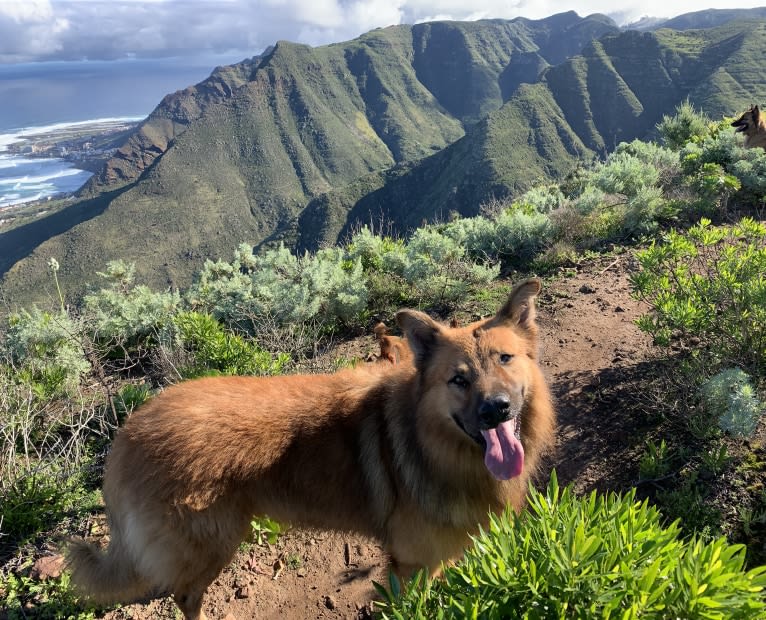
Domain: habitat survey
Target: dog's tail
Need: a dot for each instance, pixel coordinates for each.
(104, 577)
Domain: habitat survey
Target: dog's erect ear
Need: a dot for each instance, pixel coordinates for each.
(520, 307)
(756, 113)
(422, 333)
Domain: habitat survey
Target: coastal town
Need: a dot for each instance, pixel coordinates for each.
(86, 145)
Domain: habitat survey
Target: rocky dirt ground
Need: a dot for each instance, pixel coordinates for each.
(597, 363)
(592, 354)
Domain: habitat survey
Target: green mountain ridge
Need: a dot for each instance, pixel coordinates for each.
(401, 125)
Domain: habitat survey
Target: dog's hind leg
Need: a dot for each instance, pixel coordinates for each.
(188, 594)
(189, 601)
(210, 542)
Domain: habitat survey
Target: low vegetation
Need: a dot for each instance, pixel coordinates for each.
(71, 373)
(601, 556)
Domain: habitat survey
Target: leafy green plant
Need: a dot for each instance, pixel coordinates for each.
(35, 503)
(129, 398)
(215, 350)
(265, 530)
(656, 461)
(686, 501)
(708, 285)
(686, 125)
(279, 284)
(513, 236)
(595, 557)
(23, 597)
(716, 460)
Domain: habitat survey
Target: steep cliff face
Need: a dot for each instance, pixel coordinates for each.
(169, 120)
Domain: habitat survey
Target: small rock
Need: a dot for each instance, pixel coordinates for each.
(619, 309)
(587, 289)
(243, 592)
(330, 602)
(48, 567)
(301, 572)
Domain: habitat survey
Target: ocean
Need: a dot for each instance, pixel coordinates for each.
(44, 97)
(24, 179)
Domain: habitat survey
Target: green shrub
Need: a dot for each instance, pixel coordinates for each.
(722, 155)
(638, 182)
(624, 173)
(539, 199)
(730, 397)
(664, 160)
(36, 503)
(129, 398)
(47, 350)
(750, 169)
(224, 289)
(214, 350)
(595, 557)
(124, 311)
(686, 125)
(514, 236)
(438, 270)
(708, 285)
(378, 253)
(326, 286)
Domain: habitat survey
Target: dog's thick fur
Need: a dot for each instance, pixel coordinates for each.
(396, 452)
(753, 125)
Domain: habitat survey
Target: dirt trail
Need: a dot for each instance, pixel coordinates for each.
(590, 349)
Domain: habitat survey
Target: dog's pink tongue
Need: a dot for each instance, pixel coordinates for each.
(504, 456)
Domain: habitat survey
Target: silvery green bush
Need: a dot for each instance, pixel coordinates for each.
(729, 396)
(47, 349)
(282, 286)
(123, 310)
(514, 235)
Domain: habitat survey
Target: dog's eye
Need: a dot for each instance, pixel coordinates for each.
(505, 358)
(459, 381)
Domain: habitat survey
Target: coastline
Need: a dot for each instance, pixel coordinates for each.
(38, 164)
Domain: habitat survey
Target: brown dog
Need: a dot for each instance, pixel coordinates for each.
(413, 454)
(393, 349)
(753, 125)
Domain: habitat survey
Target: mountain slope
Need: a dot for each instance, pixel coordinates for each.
(618, 89)
(401, 125)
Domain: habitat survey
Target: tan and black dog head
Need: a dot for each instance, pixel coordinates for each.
(477, 381)
(753, 125)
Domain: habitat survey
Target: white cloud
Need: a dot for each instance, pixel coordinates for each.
(105, 29)
(25, 11)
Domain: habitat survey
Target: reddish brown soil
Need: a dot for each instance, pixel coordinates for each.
(592, 354)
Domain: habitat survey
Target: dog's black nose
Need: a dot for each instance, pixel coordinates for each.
(494, 410)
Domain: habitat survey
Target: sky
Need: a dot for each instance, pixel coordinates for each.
(73, 30)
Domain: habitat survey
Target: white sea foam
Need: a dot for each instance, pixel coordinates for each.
(24, 179)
